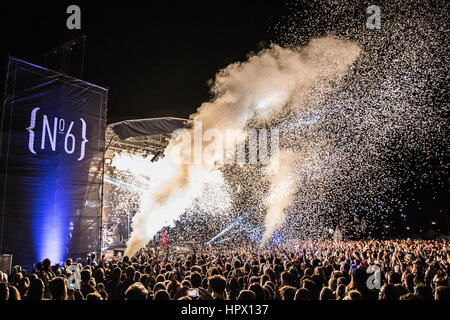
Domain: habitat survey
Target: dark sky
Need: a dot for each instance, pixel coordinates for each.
(155, 57)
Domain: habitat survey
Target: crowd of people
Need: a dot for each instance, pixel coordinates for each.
(311, 270)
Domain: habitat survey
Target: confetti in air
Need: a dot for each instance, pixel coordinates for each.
(360, 114)
(278, 77)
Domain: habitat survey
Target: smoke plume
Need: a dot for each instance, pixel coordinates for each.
(282, 175)
(256, 89)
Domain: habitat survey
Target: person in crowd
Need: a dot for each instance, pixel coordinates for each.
(136, 291)
(58, 288)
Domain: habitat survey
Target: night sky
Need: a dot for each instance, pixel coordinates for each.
(155, 57)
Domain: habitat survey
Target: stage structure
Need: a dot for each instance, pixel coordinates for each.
(146, 138)
(51, 165)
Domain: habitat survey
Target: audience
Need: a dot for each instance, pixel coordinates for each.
(319, 270)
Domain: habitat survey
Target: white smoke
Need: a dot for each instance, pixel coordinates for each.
(282, 176)
(244, 91)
